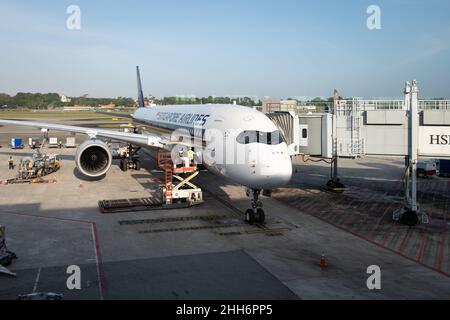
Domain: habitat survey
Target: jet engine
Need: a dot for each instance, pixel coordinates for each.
(93, 158)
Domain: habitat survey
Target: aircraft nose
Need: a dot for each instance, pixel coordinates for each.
(284, 174)
(279, 174)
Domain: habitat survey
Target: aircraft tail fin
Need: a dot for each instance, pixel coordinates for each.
(140, 92)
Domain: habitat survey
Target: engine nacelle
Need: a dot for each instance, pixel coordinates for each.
(93, 158)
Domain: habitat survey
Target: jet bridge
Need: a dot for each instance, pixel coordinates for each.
(371, 127)
(409, 128)
(305, 134)
(365, 128)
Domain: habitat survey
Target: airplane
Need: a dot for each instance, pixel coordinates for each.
(267, 162)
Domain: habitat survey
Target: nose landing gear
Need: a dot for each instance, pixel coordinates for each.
(256, 213)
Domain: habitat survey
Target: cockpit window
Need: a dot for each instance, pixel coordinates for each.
(270, 138)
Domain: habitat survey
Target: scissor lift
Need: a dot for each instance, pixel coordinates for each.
(182, 189)
(182, 194)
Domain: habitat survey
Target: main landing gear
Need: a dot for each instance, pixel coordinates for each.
(130, 159)
(256, 213)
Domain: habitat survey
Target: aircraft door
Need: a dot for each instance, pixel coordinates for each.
(304, 135)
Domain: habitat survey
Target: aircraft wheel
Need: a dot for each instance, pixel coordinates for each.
(250, 217)
(124, 165)
(261, 216)
(137, 165)
(410, 218)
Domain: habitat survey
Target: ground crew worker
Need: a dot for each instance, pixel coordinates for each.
(30, 168)
(184, 158)
(11, 163)
(191, 155)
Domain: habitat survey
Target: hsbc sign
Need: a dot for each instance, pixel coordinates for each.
(434, 141)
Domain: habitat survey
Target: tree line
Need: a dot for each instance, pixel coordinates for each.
(243, 101)
(53, 101)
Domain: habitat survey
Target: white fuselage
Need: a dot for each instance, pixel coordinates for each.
(241, 143)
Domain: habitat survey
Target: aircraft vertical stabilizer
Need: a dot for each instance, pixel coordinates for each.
(140, 92)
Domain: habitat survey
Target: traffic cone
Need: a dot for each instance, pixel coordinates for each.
(81, 184)
(323, 261)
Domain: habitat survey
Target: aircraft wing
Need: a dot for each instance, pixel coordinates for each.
(151, 140)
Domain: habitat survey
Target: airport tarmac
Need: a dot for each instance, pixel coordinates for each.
(375, 189)
(207, 252)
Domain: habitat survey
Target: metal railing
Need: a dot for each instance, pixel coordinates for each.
(365, 105)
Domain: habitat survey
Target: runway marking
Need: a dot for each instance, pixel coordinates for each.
(357, 216)
(98, 256)
(36, 282)
(98, 260)
(362, 223)
(380, 245)
(446, 204)
(423, 240)
(174, 219)
(424, 235)
(254, 229)
(405, 240)
(387, 233)
(441, 251)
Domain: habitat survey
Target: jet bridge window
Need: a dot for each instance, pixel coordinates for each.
(305, 133)
(270, 138)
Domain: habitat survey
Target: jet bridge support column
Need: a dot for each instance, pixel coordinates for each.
(413, 132)
(411, 214)
(335, 183)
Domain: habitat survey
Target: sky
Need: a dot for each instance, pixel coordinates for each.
(257, 48)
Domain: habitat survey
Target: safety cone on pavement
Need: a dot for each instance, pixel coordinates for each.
(323, 261)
